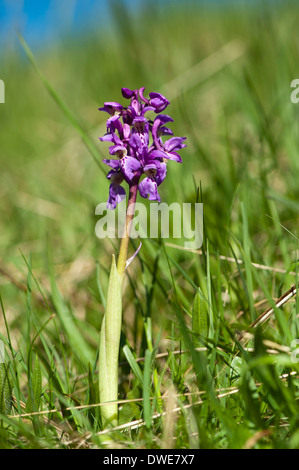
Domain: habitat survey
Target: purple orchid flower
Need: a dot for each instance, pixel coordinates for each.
(137, 145)
(116, 192)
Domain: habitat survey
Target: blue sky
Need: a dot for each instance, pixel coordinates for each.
(42, 21)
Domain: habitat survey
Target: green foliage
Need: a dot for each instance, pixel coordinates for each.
(35, 391)
(200, 315)
(5, 390)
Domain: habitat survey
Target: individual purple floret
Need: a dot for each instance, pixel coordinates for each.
(137, 145)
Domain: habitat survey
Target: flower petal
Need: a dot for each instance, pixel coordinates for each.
(118, 150)
(173, 156)
(140, 91)
(113, 123)
(126, 131)
(116, 194)
(158, 154)
(158, 101)
(174, 143)
(161, 172)
(130, 167)
(127, 93)
(112, 163)
(129, 261)
(139, 147)
(158, 122)
(111, 107)
(111, 137)
(148, 188)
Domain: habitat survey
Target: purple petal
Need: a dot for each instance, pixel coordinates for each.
(156, 170)
(175, 143)
(140, 124)
(111, 107)
(158, 101)
(107, 138)
(115, 176)
(163, 130)
(169, 155)
(113, 104)
(158, 122)
(158, 154)
(162, 119)
(127, 93)
(111, 137)
(173, 156)
(140, 91)
(139, 146)
(150, 166)
(128, 114)
(146, 109)
(118, 150)
(129, 261)
(116, 194)
(126, 131)
(135, 106)
(137, 143)
(148, 188)
(161, 172)
(112, 163)
(130, 168)
(114, 123)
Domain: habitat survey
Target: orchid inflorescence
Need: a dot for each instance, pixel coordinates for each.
(138, 146)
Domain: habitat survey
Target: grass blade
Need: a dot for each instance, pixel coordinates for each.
(133, 364)
(147, 409)
(200, 315)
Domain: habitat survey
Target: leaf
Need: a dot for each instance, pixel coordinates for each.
(200, 315)
(35, 388)
(109, 348)
(5, 390)
(93, 413)
(130, 410)
(133, 364)
(147, 410)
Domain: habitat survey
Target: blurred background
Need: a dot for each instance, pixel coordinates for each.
(226, 67)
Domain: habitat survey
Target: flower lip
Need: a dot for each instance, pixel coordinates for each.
(151, 172)
(131, 168)
(115, 176)
(140, 123)
(118, 150)
(116, 195)
(148, 188)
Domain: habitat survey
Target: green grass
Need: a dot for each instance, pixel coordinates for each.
(177, 387)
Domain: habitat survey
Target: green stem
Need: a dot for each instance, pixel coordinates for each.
(123, 251)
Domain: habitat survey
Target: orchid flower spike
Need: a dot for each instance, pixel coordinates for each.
(140, 154)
